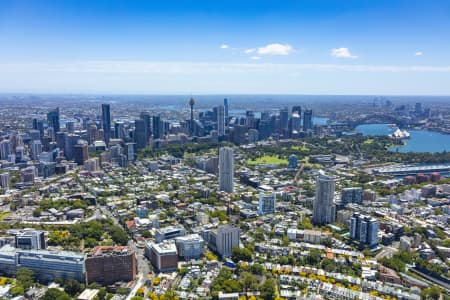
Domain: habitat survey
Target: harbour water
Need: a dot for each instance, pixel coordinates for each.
(420, 140)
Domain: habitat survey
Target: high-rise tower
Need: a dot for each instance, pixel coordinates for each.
(226, 169)
(106, 122)
(323, 206)
(191, 121)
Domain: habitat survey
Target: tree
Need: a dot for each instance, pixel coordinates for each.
(122, 291)
(433, 292)
(249, 281)
(25, 277)
(268, 289)
(55, 294)
(37, 212)
(241, 254)
(17, 290)
(72, 287)
(101, 294)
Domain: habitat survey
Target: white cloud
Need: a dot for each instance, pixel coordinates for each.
(275, 49)
(250, 50)
(224, 46)
(342, 53)
(418, 53)
(255, 57)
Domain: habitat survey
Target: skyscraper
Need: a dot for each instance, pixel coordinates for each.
(225, 106)
(307, 120)
(36, 149)
(221, 120)
(140, 134)
(80, 152)
(323, 206)
(53, 121)
(284, 118)
(145, 115)
(226, 169)
(191, 120)
(297, 109)
(106, 122)
(5, 149)
(158, 129)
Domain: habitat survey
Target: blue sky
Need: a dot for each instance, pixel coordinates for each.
(228, 47)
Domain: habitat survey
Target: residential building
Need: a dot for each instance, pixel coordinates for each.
(266, 203)
(364, 229)
(226, 169)
(190, 246)
(164, 256)
(352, 195)
(106, 265)
(323, 206)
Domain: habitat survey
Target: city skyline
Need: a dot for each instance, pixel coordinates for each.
(176, 47)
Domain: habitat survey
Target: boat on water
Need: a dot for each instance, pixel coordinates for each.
(400, 134)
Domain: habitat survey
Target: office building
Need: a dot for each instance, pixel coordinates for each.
(169, 232)
(364, 229)
(28, 174)
(80, 152)
(307, 120)
(5, 181)
(70, 140)
(323, 206)
(220, 120)
(131, 151)
(164, 256)
(106, 122)
(190, 246)
(92, 134)
(226, 169)
(225, 106)
(53, 121)
(119, 130)
(140, 135)
(35, 135)
(297, 109)
(70, 126)
(145, 115)
(46, 265)
(39, 125)
(266, 203)
(352, 195)
(158, 130)
(30, 240)
(36, 149)
(106, 265)
(5, 149)
(284, 119)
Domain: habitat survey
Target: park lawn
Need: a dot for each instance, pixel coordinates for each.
(268, 160)
(307, 164)
(368, 142)
(300, 148)
(3, 215)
